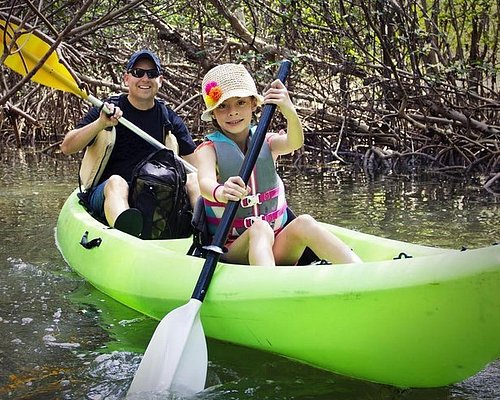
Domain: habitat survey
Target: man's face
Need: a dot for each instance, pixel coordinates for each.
(142, 88)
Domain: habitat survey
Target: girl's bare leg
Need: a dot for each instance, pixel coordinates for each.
(115, 198)
(254, 246)
(304, 231)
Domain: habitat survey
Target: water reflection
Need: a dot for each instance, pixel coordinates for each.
(435, 210)
(63, 339)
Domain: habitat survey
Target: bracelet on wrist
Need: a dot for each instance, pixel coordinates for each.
(214, 192)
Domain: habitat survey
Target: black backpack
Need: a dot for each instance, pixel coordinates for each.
(158, 190)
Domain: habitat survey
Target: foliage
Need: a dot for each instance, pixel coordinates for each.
(406, 83)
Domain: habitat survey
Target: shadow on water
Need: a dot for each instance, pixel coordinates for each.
(62, 339)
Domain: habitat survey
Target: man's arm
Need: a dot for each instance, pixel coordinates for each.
(94, 122)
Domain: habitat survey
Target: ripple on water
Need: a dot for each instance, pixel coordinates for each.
(483, 386)
(112, 374)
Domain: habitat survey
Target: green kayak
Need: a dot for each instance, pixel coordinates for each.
(409, 316)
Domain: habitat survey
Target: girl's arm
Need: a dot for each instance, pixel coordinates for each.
(233, 189)
(294, 137)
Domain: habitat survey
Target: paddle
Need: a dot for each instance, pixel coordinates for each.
(30, 50)
(176, 357)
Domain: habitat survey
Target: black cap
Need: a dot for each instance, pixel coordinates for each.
(144, 54)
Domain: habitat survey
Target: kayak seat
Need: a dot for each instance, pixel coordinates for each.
(83, 197)
(202, 238)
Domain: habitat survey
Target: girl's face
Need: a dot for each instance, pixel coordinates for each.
(234, 115)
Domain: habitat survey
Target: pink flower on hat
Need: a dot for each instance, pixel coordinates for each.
(213, 92)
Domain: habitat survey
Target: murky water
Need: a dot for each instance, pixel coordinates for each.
(62, 339)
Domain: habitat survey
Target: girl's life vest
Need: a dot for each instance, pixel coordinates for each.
(267, 197)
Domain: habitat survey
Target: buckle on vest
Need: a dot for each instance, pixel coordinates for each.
(248, 221)
(251, 200)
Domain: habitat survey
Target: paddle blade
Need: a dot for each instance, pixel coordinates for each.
(176, 358)
(25, 54)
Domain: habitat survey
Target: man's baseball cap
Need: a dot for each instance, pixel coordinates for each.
(144, 54)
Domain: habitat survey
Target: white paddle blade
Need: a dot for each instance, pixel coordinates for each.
(176, 358)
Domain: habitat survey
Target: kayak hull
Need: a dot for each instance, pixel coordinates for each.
(425, 321)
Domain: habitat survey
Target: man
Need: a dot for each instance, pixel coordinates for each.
(108, 199)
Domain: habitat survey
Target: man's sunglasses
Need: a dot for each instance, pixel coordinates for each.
(139, 73)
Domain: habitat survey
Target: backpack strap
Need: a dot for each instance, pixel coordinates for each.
(115, 99)
(169, 138)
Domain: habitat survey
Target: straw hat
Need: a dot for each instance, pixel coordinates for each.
(226, 81)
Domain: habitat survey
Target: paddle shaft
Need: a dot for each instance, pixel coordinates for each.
(215, 249)
(138, 131)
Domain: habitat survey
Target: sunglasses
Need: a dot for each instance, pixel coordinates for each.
(139, 73)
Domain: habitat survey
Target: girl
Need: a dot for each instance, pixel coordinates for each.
(260, 234)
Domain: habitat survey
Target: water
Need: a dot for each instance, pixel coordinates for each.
(62, 339)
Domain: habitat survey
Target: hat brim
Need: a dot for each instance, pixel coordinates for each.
(207, 114)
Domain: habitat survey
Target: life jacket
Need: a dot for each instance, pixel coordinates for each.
(267, 198)
(97, 153)
(202, 238)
